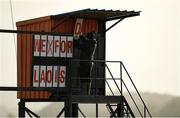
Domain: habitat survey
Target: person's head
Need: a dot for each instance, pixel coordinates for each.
(91, 35)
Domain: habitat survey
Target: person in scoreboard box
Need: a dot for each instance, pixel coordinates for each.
(87, 45)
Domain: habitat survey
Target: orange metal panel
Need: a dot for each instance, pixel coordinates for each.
(67, 26)
(24, 58)
(33, 94)
(19, 68)
(64, 26)
(90, 26)
(29, 59)
(35, 27)
(33, 21)
(24, 44)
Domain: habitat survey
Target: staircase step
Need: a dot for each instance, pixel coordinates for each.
(126, 109)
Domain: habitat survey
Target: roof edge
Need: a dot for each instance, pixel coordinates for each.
(33, 20)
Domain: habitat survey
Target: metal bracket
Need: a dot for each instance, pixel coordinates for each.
(114, 24)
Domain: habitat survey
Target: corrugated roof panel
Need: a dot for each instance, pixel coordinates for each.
(100, 14)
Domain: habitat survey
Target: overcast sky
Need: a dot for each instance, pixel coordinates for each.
(149, 44)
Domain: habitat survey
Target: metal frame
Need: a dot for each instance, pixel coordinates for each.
(69, 101)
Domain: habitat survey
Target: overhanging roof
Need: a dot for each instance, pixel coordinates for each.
(103, 14)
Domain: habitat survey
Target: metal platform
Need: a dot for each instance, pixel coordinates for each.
(81, 99)
(71, 104)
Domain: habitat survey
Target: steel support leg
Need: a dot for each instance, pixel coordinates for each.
(97, 110)
(68, 107)
(120, 110)
(21, 108)
(74, 110)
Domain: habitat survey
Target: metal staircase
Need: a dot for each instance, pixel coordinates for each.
(126, 108)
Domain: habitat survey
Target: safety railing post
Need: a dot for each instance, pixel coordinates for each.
(121, 78)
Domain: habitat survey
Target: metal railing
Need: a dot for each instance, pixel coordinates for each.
(146, 110)
(120, 87)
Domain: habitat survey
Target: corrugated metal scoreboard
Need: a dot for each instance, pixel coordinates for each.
(46, 52)
(55, 58)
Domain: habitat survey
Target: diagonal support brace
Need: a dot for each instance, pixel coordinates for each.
(114, 24)
(30, 112)
(60, 113)
(81, 112)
